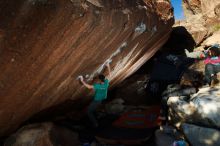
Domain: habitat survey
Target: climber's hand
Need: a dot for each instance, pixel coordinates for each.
(81, 78)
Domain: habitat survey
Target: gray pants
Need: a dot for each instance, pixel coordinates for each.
(210, 70)
(91, 112)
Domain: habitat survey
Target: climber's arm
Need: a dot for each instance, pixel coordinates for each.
(86, 84)
(109, 70)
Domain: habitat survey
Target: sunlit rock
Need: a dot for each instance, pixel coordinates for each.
(201, 18)
(208, 9)
(203, 108)
(214, 39)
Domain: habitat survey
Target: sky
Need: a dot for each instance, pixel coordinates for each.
(178, 11)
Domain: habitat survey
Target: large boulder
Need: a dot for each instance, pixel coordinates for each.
(47, 44)
(215, 38)
(163, 139)
(168, 135)
(44, 134)
(195, 29)
(202, 111)
(201, 18)
(207, 9)
(203, 108)
(201, 136)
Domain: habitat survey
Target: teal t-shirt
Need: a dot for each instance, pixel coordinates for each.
(101, 90)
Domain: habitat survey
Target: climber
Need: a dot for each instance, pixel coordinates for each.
(212, 62)
(200, 54)
(100, 88)
(212, 65)
(196, 54)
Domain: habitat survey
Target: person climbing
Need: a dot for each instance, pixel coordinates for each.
(212, 65)
(212, 62)
(197, 54)
(200, 54)
(101, 89)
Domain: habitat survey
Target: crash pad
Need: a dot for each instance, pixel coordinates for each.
(139, 118)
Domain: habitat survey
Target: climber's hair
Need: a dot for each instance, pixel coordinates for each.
(101, 77)
(214, 51)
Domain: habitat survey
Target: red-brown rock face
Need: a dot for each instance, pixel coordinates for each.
(46, 44)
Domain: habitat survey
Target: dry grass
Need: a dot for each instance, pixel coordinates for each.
(216, 27)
